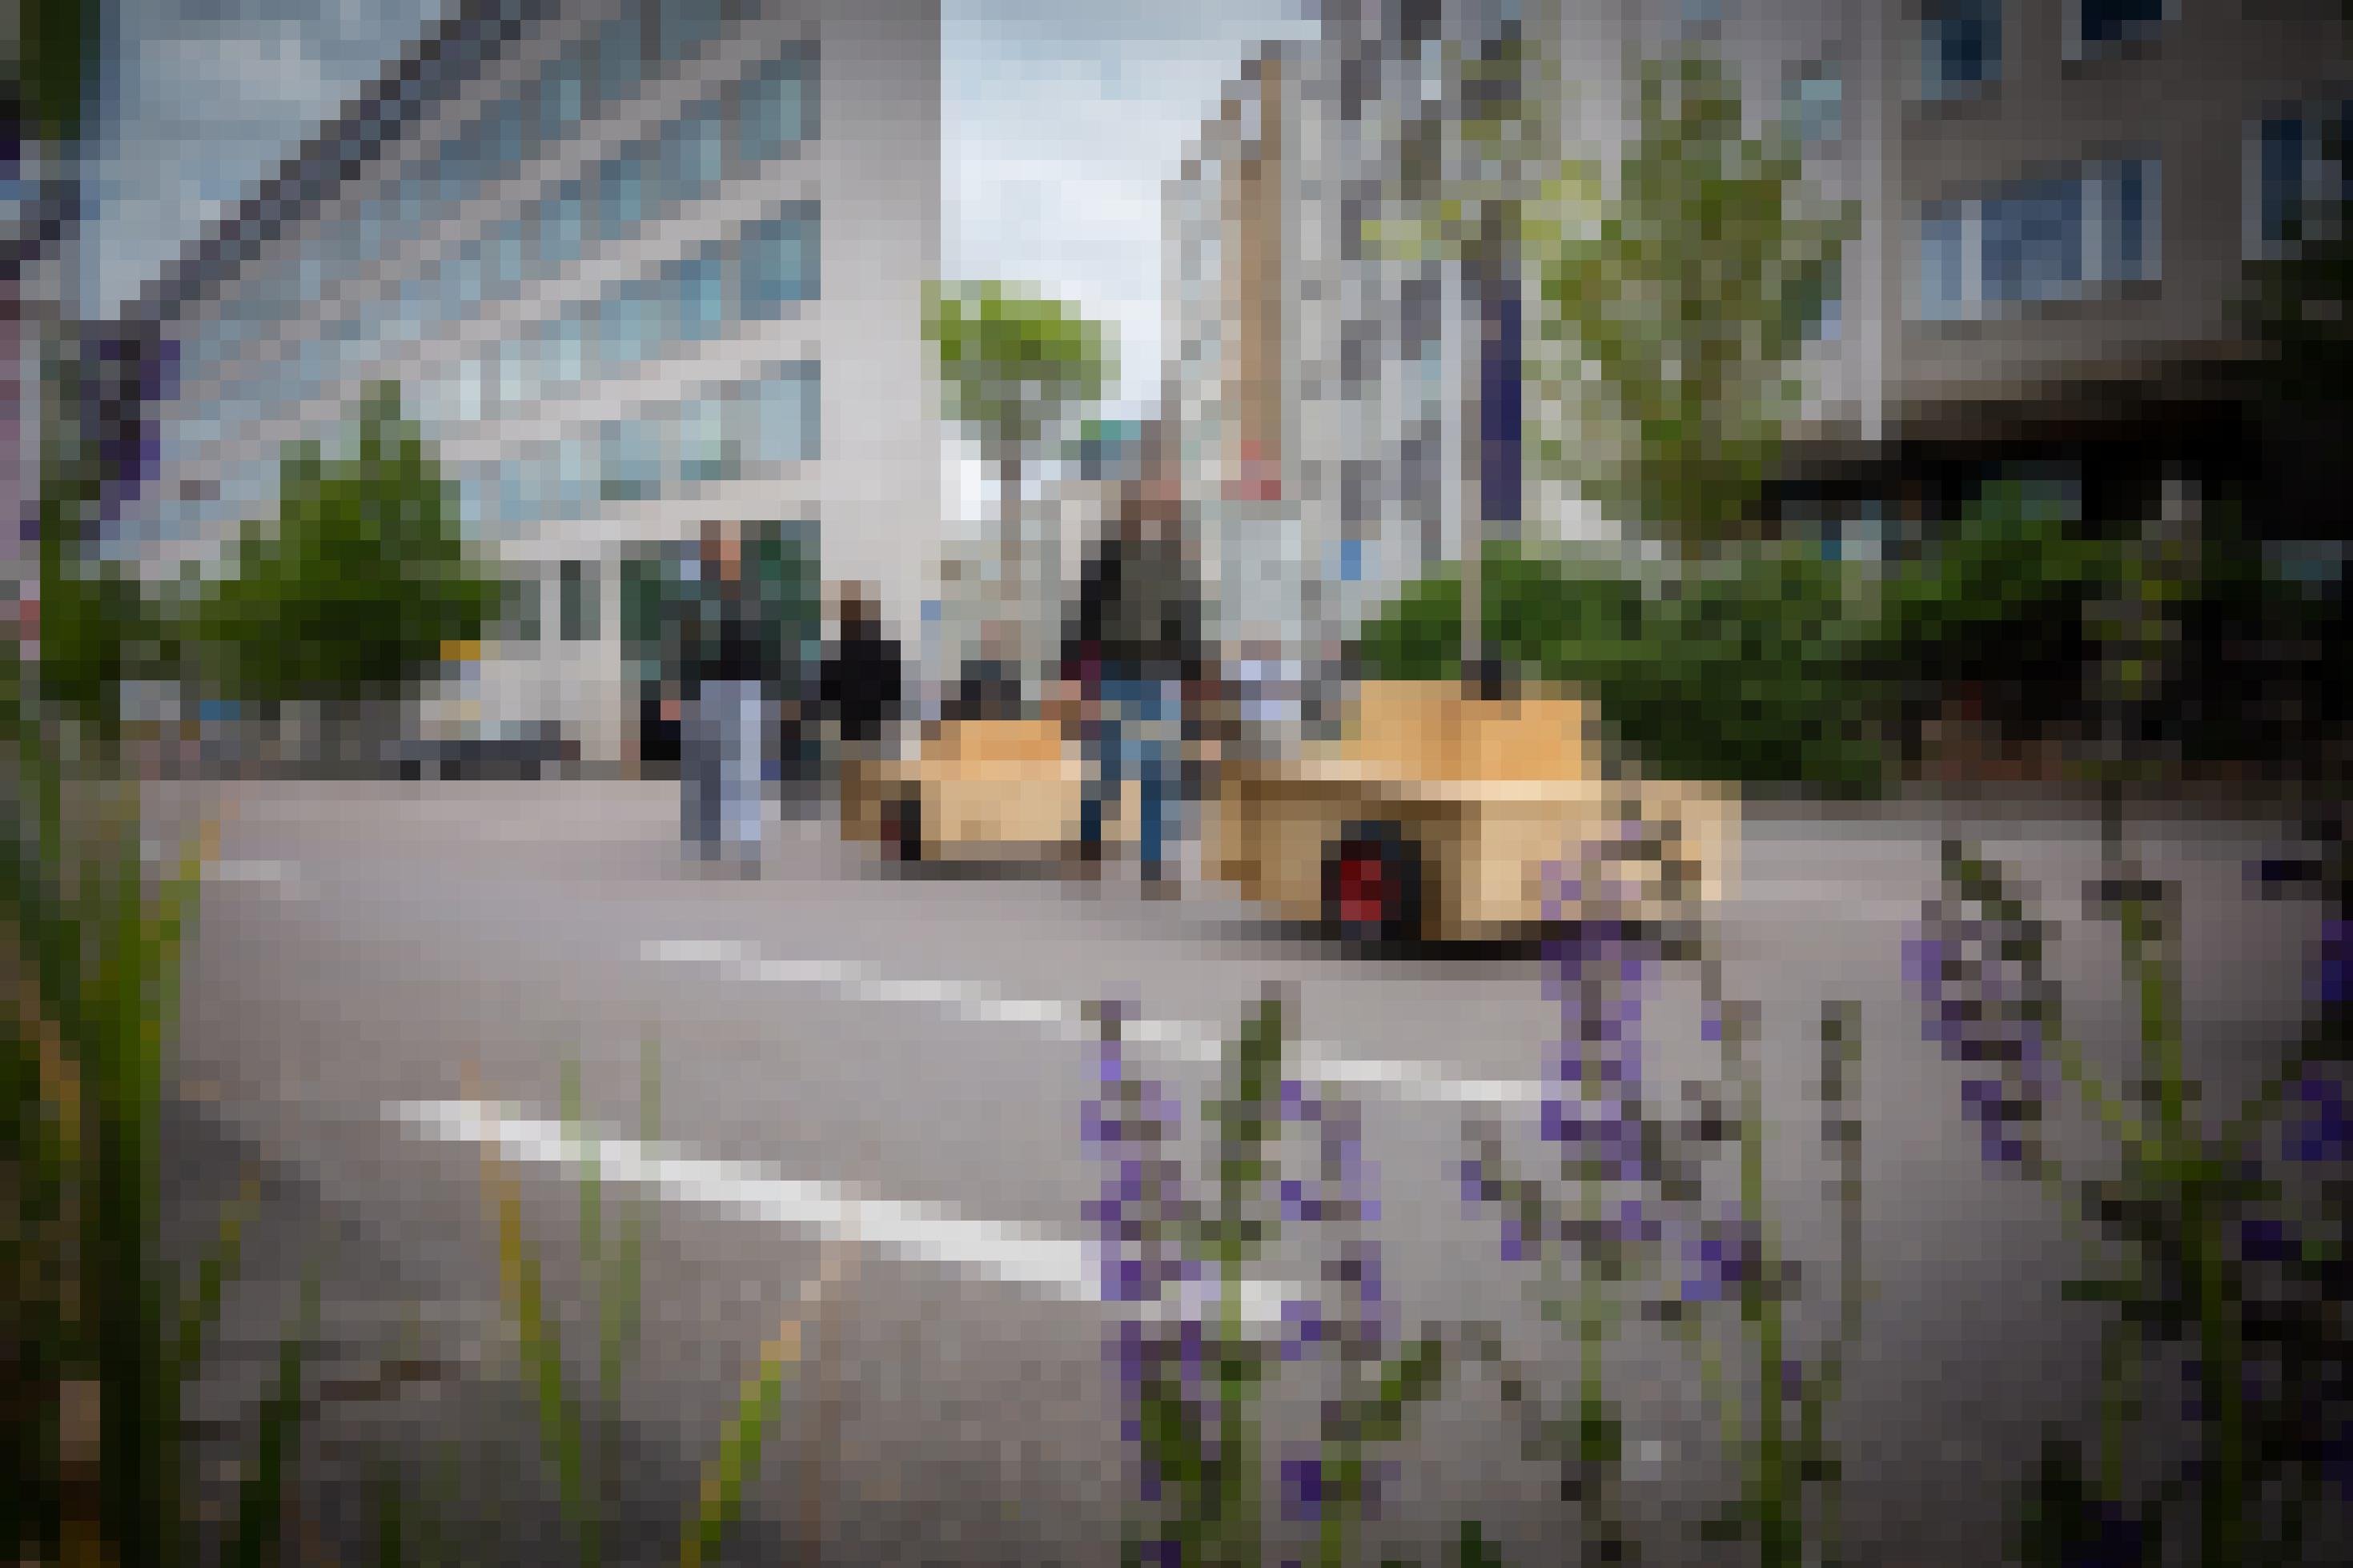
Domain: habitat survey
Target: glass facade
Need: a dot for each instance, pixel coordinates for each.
(252, 390)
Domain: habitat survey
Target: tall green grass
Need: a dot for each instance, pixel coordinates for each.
(579, 1426)
(102, 1338)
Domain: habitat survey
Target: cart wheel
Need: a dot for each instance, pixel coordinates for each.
(903, 829)
(1373, 884)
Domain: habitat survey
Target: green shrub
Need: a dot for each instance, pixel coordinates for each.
(1746, 675)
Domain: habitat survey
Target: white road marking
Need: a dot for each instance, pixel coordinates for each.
(924, 1233)
(1178, 1040)
(282, 875)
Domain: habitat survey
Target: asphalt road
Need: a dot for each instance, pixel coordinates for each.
(893, 1064)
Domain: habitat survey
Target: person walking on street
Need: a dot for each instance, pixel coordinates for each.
(864, 678)
(1131, 655)
(722, 735)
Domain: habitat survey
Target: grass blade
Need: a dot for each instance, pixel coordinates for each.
(543, 1354)
(390, 1517)
(739, 1445)
(202, 1308)
(738, 1459)
(261, 1500)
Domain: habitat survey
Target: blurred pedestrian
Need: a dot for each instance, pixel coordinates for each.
(723, 727)
(1131, 656)
(863, 683)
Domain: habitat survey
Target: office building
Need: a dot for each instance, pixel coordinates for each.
(635, 264)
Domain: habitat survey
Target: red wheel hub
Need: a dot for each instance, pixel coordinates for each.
(1363, 889)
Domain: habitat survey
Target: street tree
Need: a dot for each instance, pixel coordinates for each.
(361, 584)
(1673, 312)
(1015, 367)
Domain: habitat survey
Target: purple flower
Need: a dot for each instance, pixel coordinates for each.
(1304, 1486)
(1595, 1109)
(2266, 1241)
(1139, 1210)
(2334, 981)
(2326, 1134)
(1304, 1324)
(1720, 1260)
(1976, 967)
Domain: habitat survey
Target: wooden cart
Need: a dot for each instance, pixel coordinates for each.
(977, 789)
(1441, 817)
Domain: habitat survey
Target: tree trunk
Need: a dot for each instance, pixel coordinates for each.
(1012, 639)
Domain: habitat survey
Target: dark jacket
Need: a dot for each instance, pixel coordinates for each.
(726, 639)
(864, 682)
(1138, 617)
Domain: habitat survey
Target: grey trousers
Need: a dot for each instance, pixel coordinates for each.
(721, 748)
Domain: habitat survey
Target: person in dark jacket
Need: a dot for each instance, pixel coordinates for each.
(864, 678)
(724, 730)
(1130, 654)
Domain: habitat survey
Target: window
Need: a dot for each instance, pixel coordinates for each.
(778, 257)
(785, 409)
(515, 389)
(564, 370)
(2051, 237)
(2301, 178)
(1960, 46)
(505, 260)
(631, 323)
(699, 285)
(620, 60)
(2096, 27)
(522, 606)
(685, 25)
(504, 137)
(692, 153)
(577, 601)
(1815, 106)
(557, 228)
(558, 97)
(706, 451)
(631, 460)
(621, 194)
(572, 463)
(776, 111)
(465, 277)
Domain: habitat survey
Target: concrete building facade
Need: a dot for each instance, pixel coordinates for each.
(636, 264)
(2056, 200)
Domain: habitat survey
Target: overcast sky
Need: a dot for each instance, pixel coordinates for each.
(1060, 119)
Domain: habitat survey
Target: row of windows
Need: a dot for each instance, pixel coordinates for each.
(755, 120)
(757, 273)
(2059, 236)
(715, 436)
(1961, 40)
(753, 277)
(2051, 237)
(704, 440)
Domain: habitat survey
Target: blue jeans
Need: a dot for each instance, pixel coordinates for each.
(1139, 734)
(721, 752)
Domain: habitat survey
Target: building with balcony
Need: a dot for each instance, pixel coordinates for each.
(2057, 201)
(635, 264)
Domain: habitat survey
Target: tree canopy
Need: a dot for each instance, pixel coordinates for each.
(363, 581)
(1014, 364)
(1671, 314)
